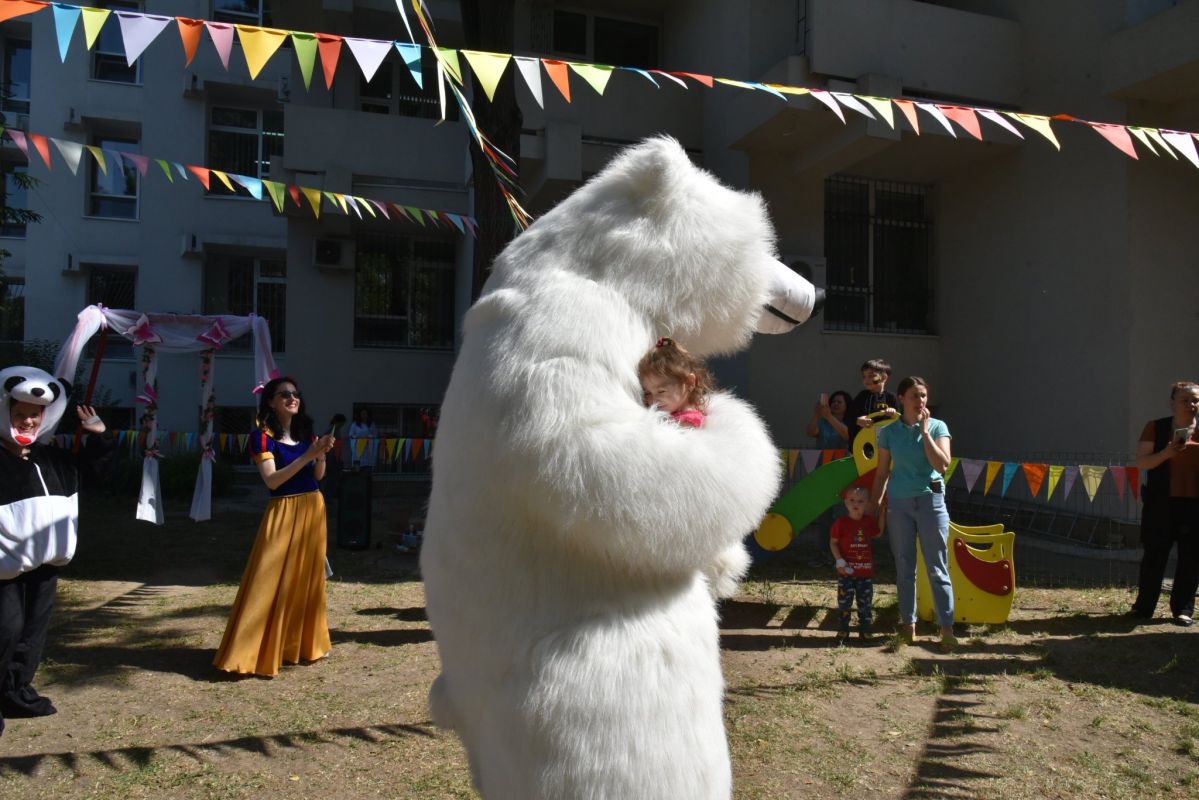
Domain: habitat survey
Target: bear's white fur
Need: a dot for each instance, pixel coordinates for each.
(575, 538)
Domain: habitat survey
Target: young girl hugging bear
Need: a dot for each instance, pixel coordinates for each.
(674, 381)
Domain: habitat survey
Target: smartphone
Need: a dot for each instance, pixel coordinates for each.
(823, 398)
(1181, 435)
(332, 429)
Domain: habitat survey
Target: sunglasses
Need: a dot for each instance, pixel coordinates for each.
(287, 395)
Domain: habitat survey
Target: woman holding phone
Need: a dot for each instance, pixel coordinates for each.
(828, 424)
(1168, 457)
(913, 454)
(279, 614)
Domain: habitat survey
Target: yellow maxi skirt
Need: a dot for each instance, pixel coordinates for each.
(279, 614)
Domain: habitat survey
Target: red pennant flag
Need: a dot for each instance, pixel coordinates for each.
(189, 34)
(294, 191)
(1118, 136)
(826, 456)
(1134, 481)
(416, 447)
(1035, 475)
(967, 119)
(19, 8)
(909, 110)
(42, 145)
(329, 47)
(201, 173)
(559, 74)
(706, 80)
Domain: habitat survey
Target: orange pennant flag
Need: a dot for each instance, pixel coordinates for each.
(42, 145)
(559, 74)
(19, 8)
(201, 173)
(1118, 136)
(329, 46)
(189, 34)
(294, 191)
(909, 110)
(826, 456)
(792, 455)
(417, 444)
(966, 118)
(1035, 475)
(706, 80)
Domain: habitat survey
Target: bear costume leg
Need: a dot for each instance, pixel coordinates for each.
(26, 603)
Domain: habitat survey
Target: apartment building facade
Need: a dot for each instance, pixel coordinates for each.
(1047, 296)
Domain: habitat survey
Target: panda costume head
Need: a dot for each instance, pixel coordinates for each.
(32, 385)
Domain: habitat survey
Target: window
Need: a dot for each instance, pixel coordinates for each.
(113, 287)
(242, 12)
(114, 192)
(108, 54)
(13, 200)
(878, 242)
(241, 284)
(12, 310)
(242, 141)
(393, 90)
(404, 292)
(604, 40)
(15, 92)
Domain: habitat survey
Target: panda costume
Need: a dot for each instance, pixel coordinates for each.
(39, 512)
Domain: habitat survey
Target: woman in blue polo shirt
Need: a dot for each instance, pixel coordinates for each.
(913, 454)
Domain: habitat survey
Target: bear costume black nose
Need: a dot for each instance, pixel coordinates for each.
(37, 391)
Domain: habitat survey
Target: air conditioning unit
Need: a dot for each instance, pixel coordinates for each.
(814, 268)
(192, 246)
(332, 254)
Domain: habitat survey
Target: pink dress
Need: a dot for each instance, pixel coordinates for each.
(689, 417)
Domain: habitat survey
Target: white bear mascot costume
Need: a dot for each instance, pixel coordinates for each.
(575, 538)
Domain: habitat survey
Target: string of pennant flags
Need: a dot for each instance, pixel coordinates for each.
(380, 450)
(1037, 475)
(259, 44)
(261, 189)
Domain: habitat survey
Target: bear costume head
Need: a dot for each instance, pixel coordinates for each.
(32, 385)
(575, 538)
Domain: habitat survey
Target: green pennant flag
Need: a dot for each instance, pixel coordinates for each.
(166, 169)
(276, 192)
(305, 45)
(595, 74)
(449, 57)
(415, 214)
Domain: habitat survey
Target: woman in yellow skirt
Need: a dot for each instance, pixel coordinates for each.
(279, 614)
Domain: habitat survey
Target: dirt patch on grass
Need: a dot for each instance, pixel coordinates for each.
(1068, 700)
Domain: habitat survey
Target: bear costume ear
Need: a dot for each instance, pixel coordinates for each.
(66, 385)
(13, 382)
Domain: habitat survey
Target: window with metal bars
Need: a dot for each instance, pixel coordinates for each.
(112, 287)
(404, 292)
(878, 244)
(241, 284)
(241, 141)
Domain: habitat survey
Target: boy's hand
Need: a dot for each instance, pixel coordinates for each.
(891, 412)
(865, 422)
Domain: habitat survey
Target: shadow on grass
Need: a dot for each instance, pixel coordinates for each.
(952, 737)
(414, 614)
(397, 637)
(136, 757)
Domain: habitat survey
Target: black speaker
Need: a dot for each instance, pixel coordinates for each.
(354, 510)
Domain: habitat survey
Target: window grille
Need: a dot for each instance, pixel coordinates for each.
(878, 242)
(241, 284)
(404, 292)
(242, 141)
(112, 287)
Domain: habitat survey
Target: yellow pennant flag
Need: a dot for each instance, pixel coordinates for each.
(1038, 123)
(93, 21)
(595, 74)
(953, 467)
(1157, 137)
(314, 199)
(796, 90)
(369, 208)
(488, 67)
(360, 447)
(1055, 475)
(1143, 138)
(259, 44)
(98, 154)
(1091, 478)
(792, 455)
(882, 107)
(223, 178)
(341, 201)
(993, 468)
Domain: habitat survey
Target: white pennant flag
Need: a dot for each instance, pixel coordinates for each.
(938, 116)
(530, 70)
(138, 30)
(369, 53)
(71, 153)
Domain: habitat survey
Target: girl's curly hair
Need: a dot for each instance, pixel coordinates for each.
(670, 360)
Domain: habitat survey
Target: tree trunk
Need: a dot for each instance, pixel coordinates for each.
(488, 25)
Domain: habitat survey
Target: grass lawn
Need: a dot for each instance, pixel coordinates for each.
(1068, 700)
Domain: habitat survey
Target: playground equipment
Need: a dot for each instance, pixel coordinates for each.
(820, 490)
(982, 570)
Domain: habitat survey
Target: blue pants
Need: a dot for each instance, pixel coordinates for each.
(847, 587)
(922, 518)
